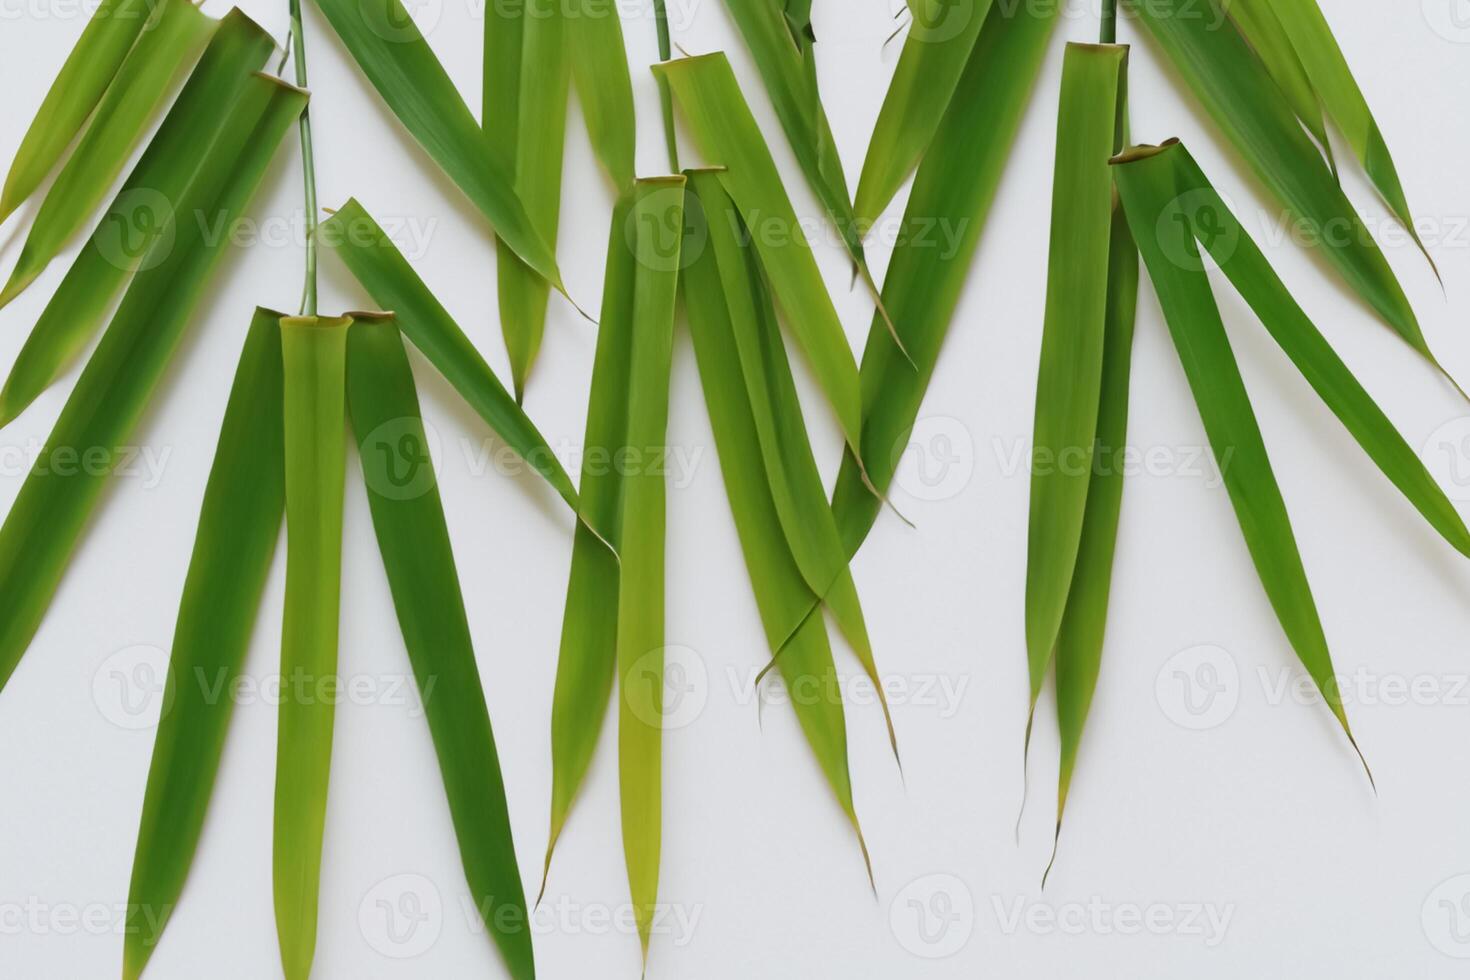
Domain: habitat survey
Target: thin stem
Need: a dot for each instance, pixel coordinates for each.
(666, 53)
(1109, 27)
(308, 165)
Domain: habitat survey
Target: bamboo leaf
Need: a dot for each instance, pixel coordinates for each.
(953, 191)
(782, 592)
(46, 521)
(1248, 270)
(413, 537)
(135, 229)
(169, 42)
(1245, 102)
(600, 71)
(1069, 382)
(383, 40)
(239, 523)
(658, 217)
(728, 136)
(785, 54)
(88, 71)
(1151, 194)
(941, 42)
(1080, 639)
(1260, 25)
(729, 271)
(538, 142)
(1325, 65)
(586, 667)
(376, 263)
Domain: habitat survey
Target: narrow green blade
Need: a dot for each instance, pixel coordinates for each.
(1251, 274)
(728, 136)
(1152, 196)
(88, 71)
(48, 515)
(1260, 25)
(376, 263)
(600, 71)
(386, 44)
(788, 466)
(782, 593)
(1247, 104)
(414, 540)
(926, 84)
(134, 230)
(169, 42)
(954, 188)
(1328, 69)
(1069, 382)
(586, 665)
(1079, 646)
(658, 216)
(238, 526)
(538, 141)
(314, 352)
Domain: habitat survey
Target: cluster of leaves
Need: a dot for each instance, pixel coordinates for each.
(1270, 74)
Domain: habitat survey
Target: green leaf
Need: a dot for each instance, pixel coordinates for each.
(414, 540)
(732, 293)
(600, 71)
(48, 515)
(384, 41)
(314, 354)
(1247, 104)
(239, 523)
(1080, 639)
(1153, 197)
(658, 220)
(1325, 65)
(1261, 26)
(537, 142)
(714, 296)
(88, 71)
(952, 193)
(169, 42)
(728, 136)
(1069, 381)
(376, 263)
(786, 57)
(926, 83)
(1248, 270)
(134, 230)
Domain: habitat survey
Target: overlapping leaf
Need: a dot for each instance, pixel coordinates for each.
(136, 229)
(239, 523)
(414, 541)
(46, 520)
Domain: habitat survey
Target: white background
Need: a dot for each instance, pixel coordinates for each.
(1262, 819)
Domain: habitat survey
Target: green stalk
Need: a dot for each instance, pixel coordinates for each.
(308, 165)
(1108, 31)
(314, 353)
(666, 52)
